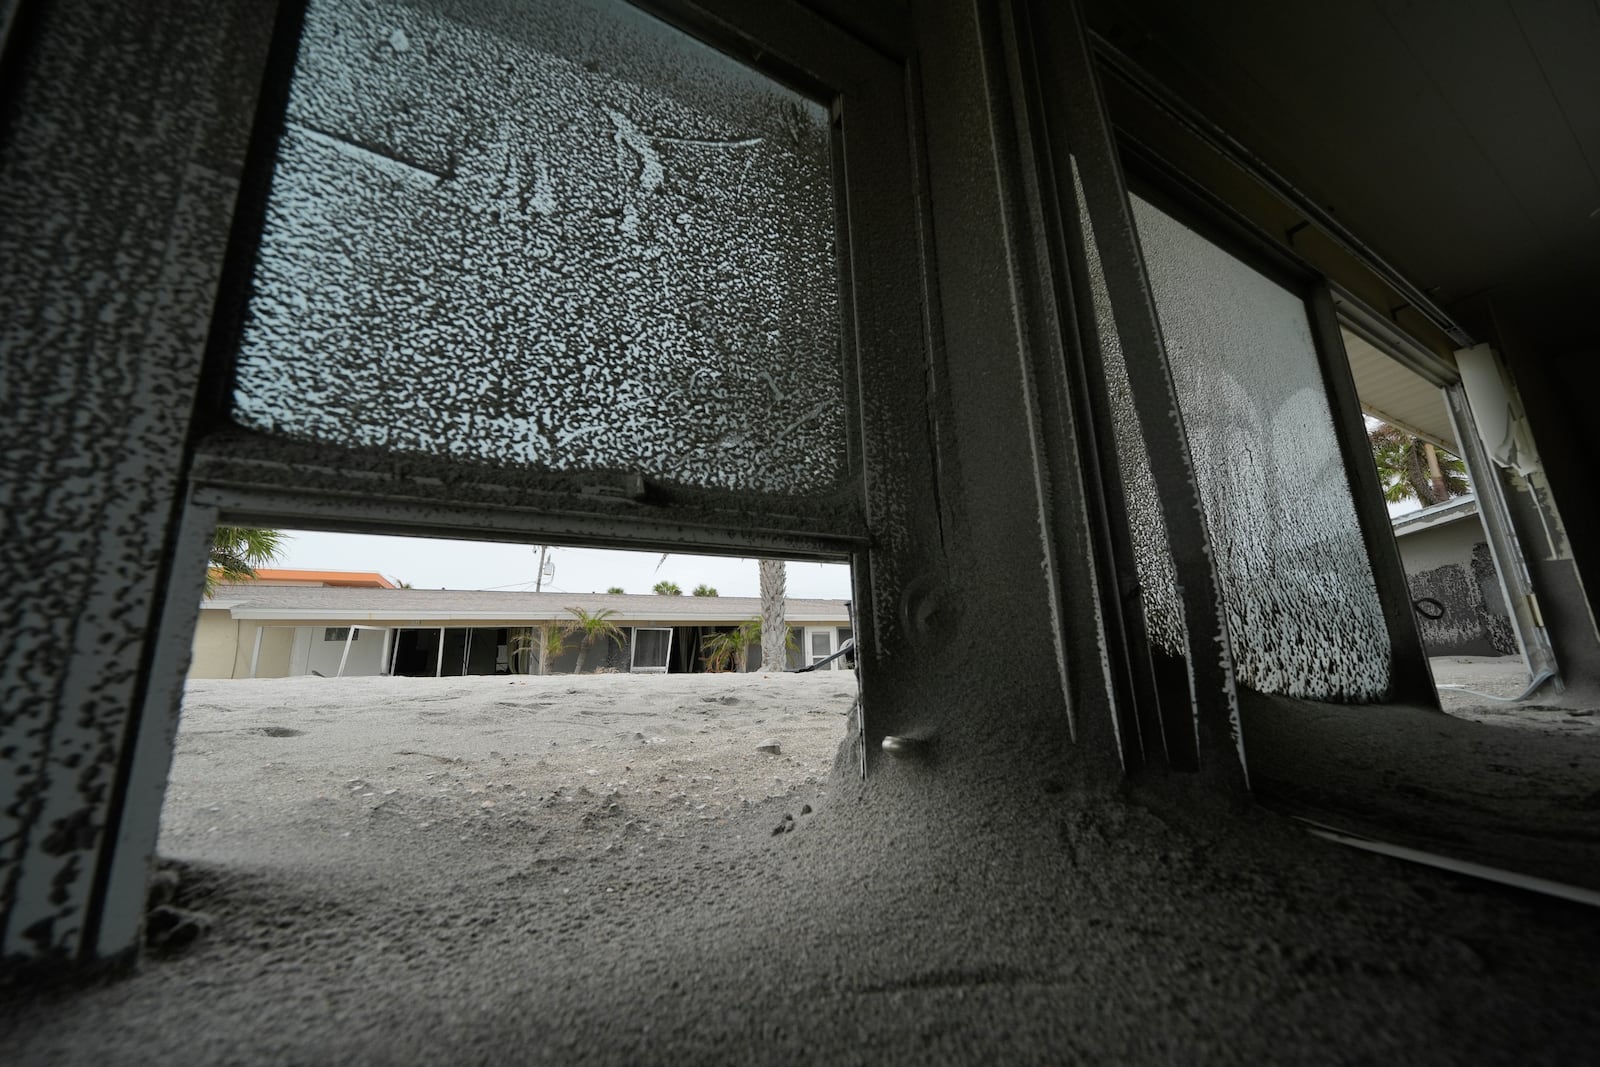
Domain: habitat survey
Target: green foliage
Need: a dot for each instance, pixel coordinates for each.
(590, 628)
(616, 589)
(1404, 469)
(666, 588)
(730, 649)
(546, 640)
(704, 590)
(236, 552)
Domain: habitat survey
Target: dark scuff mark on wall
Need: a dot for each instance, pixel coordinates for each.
(1471, 624)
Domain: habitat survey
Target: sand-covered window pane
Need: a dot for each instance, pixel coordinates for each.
(559, 235)
(1302, 605)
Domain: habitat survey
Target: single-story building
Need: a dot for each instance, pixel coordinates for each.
(1455, 588)
(273, 631)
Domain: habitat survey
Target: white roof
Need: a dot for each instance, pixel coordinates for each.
(492, 608)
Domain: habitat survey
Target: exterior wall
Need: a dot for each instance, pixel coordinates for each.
(1450, 563)
(366, 653)
(216, 645)
(292, 649)
(277, 650)
(300, 654)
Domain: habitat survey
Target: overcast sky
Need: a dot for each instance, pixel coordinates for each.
(433, 564)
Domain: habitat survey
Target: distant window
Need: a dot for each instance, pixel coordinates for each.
(652, 647)
(821, 646)
(339, 633)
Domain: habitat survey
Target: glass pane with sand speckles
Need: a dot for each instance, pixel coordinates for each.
(552, 235)
(1302, 605)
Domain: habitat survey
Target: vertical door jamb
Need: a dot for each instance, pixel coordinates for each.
(1505, 548)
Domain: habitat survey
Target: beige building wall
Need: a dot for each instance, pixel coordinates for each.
(223, 647)
(277, 648)
(216, 643)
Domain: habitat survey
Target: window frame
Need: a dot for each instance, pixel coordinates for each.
(633, 651)
(317, 485)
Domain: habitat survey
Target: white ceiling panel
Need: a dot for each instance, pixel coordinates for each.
(1398, 396)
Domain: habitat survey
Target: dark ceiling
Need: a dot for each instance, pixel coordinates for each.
(1460, 140)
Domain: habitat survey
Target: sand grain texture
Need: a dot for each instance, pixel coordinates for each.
(603, 870)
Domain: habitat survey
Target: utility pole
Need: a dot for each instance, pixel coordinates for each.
(538, 581)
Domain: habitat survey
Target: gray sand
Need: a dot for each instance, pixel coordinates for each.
(586, 870)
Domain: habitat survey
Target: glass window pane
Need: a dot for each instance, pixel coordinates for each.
(651, 648)
(1303, 610)
(556, 235)
(1302, 604)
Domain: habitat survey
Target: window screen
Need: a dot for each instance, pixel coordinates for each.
(559, 235)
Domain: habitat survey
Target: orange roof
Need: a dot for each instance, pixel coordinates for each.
(358, 579)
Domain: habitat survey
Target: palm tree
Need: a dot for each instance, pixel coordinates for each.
(774, 632)
(1413, 469)
(593, 626)
(704, 590)
(729, 649)
(549, 638)
(236, 552)
(666, 588)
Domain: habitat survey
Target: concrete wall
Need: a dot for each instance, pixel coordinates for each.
(1450, 563)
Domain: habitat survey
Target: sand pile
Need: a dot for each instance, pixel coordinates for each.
(603, 870)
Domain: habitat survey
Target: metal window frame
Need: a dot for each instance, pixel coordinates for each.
(1199, 727)
(1494, 511)
(633, 651)
(321, 485)
(1411, 676)
(886, 327)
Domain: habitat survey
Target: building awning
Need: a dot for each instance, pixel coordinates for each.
(1398, 395)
